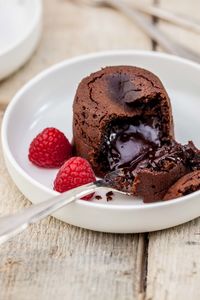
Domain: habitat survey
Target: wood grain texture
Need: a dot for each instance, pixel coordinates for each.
(173, 263)
(173, 270)
(70, 30)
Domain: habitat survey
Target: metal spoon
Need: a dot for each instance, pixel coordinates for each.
(14, 224)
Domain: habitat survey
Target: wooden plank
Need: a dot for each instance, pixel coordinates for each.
(173, 263)
(70, 30)
(173, 270)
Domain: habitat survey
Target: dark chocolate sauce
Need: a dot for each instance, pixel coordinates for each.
(128, 144)
(169, 155)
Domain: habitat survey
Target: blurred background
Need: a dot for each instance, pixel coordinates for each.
(71, 28)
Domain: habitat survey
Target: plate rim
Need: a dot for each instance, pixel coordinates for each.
(35, 21)
(8, 153)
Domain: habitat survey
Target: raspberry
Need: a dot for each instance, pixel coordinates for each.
(49, 149)
(75, 172)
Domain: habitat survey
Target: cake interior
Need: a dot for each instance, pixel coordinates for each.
(127, 141)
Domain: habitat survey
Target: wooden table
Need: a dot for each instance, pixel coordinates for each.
(53, 260)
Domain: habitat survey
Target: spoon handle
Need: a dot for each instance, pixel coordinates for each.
(13, 224)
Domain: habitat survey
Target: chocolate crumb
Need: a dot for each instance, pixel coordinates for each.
(98, 197)
(109, 196)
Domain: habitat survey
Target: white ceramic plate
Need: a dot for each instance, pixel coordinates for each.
(47, 101)
(20, 29)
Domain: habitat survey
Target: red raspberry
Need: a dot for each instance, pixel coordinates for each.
(75, 172)
(49, 149)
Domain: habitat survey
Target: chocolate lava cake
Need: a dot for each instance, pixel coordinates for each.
(123, 120)
(119, 114)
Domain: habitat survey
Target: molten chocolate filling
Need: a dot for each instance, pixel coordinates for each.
(127, 143)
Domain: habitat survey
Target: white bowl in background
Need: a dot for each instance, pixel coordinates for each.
(20, 30)
(47, 101)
